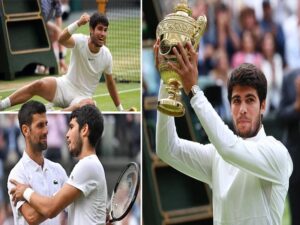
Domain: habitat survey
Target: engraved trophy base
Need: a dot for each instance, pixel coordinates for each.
(171, 106)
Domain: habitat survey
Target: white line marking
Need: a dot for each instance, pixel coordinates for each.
(120, 92)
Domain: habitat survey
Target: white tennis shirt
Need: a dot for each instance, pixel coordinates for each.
(44, 181)
(249, 177)
(89, 208)
(86, 68)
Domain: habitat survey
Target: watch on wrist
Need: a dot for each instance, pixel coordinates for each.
(193, 91)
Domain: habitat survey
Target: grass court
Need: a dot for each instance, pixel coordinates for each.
(126, 64)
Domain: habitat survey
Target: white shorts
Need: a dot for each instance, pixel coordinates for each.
(66, 94)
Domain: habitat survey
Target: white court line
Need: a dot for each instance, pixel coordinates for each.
(5, 90)
(120, 92)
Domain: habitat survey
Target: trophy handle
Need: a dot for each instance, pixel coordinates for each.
(200, 28)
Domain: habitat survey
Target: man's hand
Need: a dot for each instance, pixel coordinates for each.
(17, 191)
(85, 18)
(187, 69)
(157, 57)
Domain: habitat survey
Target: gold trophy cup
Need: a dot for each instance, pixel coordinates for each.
(177, 27)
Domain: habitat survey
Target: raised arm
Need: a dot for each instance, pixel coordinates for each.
(267, 159)
(65, 37)
(189, 157)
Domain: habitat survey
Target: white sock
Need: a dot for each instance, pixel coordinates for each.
(5, 103)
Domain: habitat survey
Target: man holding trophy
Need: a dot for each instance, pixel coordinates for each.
(248, 171)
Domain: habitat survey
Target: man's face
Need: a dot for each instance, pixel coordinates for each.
(246, 111)
(98, 35)
(74, 139)
(37, 132)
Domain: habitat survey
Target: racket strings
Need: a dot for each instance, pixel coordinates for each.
(124, 193)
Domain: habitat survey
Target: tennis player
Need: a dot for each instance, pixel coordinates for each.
(247, 171)
(44, 176)
(90, 58)
(85, 191)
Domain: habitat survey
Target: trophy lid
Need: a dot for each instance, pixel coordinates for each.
(183, 6)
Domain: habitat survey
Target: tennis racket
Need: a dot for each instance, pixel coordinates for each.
(124, 193)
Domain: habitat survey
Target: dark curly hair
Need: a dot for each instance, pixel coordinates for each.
(90, 115)
(248, 75)
(98, 18)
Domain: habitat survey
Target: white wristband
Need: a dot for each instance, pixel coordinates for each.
(72, 28)
(120, 108)
(27, 194)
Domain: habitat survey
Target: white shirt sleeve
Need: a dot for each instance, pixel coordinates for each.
(21, 178)
(267, 158)
(83, 177)
(188, 157)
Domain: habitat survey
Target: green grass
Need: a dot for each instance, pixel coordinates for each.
(286, 215)
(129, 94)
(124, 42)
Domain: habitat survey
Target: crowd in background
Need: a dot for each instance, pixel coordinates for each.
(120, 143)
(263, 32)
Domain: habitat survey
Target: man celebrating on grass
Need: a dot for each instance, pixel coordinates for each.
(90, 58)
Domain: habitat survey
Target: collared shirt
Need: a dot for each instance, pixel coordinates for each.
(249, 177)
(46, 180)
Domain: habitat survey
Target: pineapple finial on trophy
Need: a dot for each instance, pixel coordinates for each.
(177, 27)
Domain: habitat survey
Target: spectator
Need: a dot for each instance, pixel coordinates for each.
(220, 75)
(248, 53)
(2, 156)
(208, 40)
(227, 37)
(267, 24)
(292, 43)
(57, 127)
(273, 69)
(248, 22)
(51, 9)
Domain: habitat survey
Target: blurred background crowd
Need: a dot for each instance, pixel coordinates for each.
(119, 145)
(262, 32)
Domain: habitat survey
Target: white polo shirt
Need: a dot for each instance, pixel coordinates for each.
(249, 177)
(44, 181)
(89, 208)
